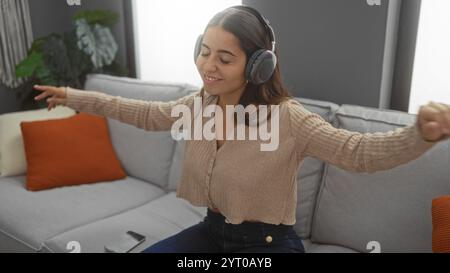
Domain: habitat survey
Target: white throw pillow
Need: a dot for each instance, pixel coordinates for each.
(12, 153)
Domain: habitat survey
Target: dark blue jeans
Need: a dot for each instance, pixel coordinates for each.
(213, 234)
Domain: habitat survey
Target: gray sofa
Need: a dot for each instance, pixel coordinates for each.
(338, 211)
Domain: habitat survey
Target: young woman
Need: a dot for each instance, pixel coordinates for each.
(251, 194)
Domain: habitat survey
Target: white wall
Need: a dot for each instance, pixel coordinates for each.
(431, 74)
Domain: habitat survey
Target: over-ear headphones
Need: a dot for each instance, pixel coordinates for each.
(261, 65)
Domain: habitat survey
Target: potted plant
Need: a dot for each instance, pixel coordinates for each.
(65, 59)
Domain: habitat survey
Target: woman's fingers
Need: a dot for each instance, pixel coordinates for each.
(56, 96)
(428, 113)
(49, 91)
(51, 105)
(434, 120)
(45, 87)
(442, 117)
(432, 131)
(434, 112)
(53, 102)
(444, 114)
(42, 96)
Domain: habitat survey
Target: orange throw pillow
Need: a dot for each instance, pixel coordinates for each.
(69, 151)
(441, 224)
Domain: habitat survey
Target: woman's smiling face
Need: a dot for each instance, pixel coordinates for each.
(221, 62)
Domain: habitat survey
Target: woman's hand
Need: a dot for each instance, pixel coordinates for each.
(434, 121)
(57, 95)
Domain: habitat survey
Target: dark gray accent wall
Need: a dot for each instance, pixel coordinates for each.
(406, 48)
(8, 100)
(49, 16)
(330, 50)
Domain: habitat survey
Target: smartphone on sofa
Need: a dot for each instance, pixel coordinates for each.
(125, 243)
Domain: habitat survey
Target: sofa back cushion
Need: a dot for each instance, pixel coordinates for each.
(177, 165)
(441, 224)
(310, 173)
(392, 207)
(12, 153)
(145, 155)
(69, 151)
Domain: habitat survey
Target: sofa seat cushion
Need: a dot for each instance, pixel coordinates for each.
(158, 219)
(34, 217)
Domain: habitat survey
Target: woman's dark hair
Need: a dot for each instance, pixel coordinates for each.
(252, 35)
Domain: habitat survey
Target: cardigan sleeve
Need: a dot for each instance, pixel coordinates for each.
(353, 151)
(147, 115)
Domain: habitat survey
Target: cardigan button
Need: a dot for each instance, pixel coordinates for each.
(269, 239)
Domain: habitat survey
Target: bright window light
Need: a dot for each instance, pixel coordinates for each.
(431, 74)
(166, 32)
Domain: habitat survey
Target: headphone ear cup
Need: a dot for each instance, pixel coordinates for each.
(198, 47)
(261, 66)
(250, 64)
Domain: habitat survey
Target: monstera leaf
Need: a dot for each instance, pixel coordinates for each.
(97, 41)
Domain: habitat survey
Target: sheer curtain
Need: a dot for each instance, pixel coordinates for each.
(16, 38)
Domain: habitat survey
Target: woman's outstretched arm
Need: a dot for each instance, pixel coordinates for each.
(365, 152)
(147, 115)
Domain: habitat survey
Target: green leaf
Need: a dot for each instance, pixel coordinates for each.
(28, 66)
(101, 17)
(42, 72)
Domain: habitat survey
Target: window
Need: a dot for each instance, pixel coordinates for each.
(431, 73)
(166, 32)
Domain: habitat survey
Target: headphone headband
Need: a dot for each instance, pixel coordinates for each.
(263, 20)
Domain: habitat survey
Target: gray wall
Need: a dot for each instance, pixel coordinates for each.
(8, 100)
(49, 16)
(406, 49)
(330, 50)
